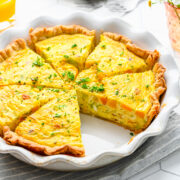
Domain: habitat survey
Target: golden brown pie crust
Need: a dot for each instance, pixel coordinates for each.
(160, 87)
(42, 33)
(150, 57)
(12, 48)
(14, 139)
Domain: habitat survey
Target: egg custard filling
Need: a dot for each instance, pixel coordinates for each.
(52, 129)
(115, 54)
(45, 84)
(130, 100)
(64, 46)
(20, 65)
(18, 101)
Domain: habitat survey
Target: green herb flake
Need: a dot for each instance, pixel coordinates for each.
(84, 86)
(16, 62)
(120, 64)
(66, 56)
(38, 62)
(131, 133)
(83, 80)
(114, 83)
(50, 76)
(74, 45)
(42, 123)
(57, 115)
(147, 85)
(48, 48)
(55, 75)
(40, 87)
(81, 50)
(52, 134)
(103, 46)
(116, 92)
(70, 75)
(122, 53)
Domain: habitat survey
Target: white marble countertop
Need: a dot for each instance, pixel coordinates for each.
(154, 20)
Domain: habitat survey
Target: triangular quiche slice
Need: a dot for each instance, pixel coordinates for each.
(20, 65)
(116, 54)
(18, 101)
(53, 129)
(64, 47)
(131, 100)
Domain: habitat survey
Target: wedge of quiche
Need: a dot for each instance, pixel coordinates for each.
(116, 54)
(130, 100)
(53, 129)
(20, 65)
(64, 46)
(18, 101)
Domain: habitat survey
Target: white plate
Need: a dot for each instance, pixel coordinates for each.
(104, 142)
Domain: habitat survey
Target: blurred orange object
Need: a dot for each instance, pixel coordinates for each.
(173, 18)
(7, 11)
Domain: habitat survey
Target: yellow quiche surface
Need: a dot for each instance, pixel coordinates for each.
(44, 85)
(126, 99)
(26, 67)
(55, 126)
(18, 101)
(113, 57)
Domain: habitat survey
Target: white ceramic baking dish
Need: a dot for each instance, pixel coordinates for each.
(104, 142)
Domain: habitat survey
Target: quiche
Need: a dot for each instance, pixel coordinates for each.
(130, 100)
(52, 129)
(59, 72)
(116, 54)
(20, 65)
(63, 46)
(17, 101)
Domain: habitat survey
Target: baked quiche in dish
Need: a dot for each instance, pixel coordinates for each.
(116, 54)
(61, 71)
(52, 129)
(20, 65)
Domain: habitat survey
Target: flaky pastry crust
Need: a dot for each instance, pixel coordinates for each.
(160, 87)
(14, 139)
(42, 33)
(150, 57)
(12, 48)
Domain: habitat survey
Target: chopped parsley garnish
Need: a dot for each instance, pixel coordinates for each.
(55, 75)
(38, 62)
(57, 115)
(147, 85)
(81, 50)
(42, 123)
(16, 62)
(52, 134)
(103, 46)
(83, 80)
(40, 87)
(50, 76)
(61, 106)
(34, 80)
(55, 90)
(48, 48)
(97, 89)
(120, 64)
(84, 86)
(66, 56)
(131, 133)
(70, 75)
(123, 95)
(74, 45)
(116, 92)
(114, 83)
(122, 53)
